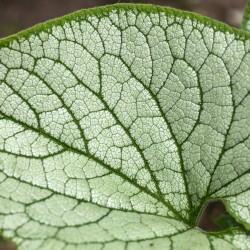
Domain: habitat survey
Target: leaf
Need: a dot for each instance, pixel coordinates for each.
(118, 125)
(245, 24)
(226, 221)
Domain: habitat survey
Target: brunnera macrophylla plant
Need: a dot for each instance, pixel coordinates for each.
(119, 124)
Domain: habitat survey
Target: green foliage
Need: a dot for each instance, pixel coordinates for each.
(118, 125)
(226, 221)
(245, 25)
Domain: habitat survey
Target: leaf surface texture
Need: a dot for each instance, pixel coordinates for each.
(118, 124)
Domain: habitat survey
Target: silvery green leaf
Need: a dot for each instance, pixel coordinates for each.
(118, 125)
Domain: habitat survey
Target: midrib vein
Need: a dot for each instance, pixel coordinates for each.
(97, 160)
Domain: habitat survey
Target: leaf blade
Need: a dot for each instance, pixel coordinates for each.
(245, 24)
(114, 124)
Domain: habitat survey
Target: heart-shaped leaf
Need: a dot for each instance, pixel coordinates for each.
(118, 125)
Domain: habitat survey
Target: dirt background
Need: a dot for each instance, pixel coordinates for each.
(16, 15)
